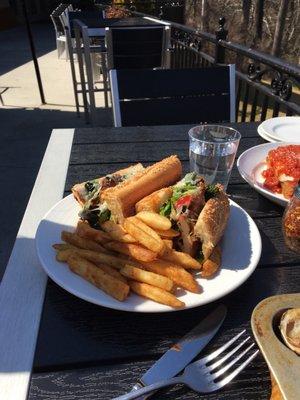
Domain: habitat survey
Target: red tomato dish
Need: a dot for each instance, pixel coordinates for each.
(283, 170)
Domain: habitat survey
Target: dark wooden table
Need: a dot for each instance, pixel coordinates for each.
(89, 352)
(118, 22)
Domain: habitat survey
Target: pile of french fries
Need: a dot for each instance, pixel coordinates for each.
(137, 256)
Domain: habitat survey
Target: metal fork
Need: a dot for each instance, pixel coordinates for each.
(203, 375)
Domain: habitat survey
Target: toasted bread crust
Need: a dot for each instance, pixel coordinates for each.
(122, 198)
(212, 222)
(154, 201)
(79, 187)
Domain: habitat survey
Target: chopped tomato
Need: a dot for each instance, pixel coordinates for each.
(283, 166)
(183, 201)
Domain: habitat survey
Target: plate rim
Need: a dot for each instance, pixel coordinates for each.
(260, 189)
(265, 136)
(264, 123)
(120, 306)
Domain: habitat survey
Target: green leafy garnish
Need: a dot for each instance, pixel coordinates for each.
(211, 191)
(186, 186)
(104, 216)
(166, 209)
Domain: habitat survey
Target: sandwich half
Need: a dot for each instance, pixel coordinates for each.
(114, 196)
(121, 199)
(199, 211)
(88, 193)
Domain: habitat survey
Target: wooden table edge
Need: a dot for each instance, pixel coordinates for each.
(23, 285)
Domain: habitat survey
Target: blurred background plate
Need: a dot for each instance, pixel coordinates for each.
(281, 129)
(251, 163)
(264, 135)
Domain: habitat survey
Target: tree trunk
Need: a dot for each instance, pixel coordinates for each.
(259, 15)
(246, 12)
(279, 27)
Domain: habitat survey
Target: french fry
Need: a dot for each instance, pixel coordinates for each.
(144, 235)
(177, 274)
(81, 242)
(154, 220)
(211, 266)
(169, 234)
(144, 227)
(63, 246)
(135, 251)
(182, 259)
(168, 243)
(85, 231)
(95, 257)
(151, 278)
(63, 255)
(90, 272)
(156, 294)
(112, 272)
(117, 232)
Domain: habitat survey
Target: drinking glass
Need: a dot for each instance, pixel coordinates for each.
(212, 152)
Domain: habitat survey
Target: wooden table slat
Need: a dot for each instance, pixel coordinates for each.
(139, 152)
(108, 381)
(148, 133)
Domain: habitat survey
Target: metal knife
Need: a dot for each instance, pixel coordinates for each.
(183, 352)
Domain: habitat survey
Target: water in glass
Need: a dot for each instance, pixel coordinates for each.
(212, 155)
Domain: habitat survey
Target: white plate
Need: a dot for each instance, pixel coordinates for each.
(251, 164)
(239, 261)
(282, 129)
(264, 135)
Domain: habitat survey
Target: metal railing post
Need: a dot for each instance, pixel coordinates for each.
(221, 34)
(33, 52)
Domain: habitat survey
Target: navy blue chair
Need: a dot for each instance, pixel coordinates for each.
(173, 96)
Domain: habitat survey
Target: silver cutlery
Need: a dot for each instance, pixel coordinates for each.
(183, 352)
(203, 376)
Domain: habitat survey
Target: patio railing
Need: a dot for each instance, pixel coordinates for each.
(267, 86)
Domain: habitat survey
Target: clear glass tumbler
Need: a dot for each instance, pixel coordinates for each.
(212, 152)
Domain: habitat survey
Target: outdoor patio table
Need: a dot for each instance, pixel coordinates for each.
(97, 25)
(54, 345)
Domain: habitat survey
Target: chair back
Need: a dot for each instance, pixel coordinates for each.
(84, 15)
(56, 20)
(137, 47)
(171, 96)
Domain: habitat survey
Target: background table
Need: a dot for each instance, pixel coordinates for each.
(96, 26)
(120, 22)
(88, 352)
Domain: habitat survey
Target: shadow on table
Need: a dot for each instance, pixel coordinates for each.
(75, 332)
(24, 137)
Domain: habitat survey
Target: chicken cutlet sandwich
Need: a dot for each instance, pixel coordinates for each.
(199, 211)
(114, 196)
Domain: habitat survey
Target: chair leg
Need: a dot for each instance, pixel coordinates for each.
(95, 68)
(67, 52)
(59, 48)
(70, 48)
(82, 77)
(89, 75)
(104, 74)
(73, 73)
(90, 84)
